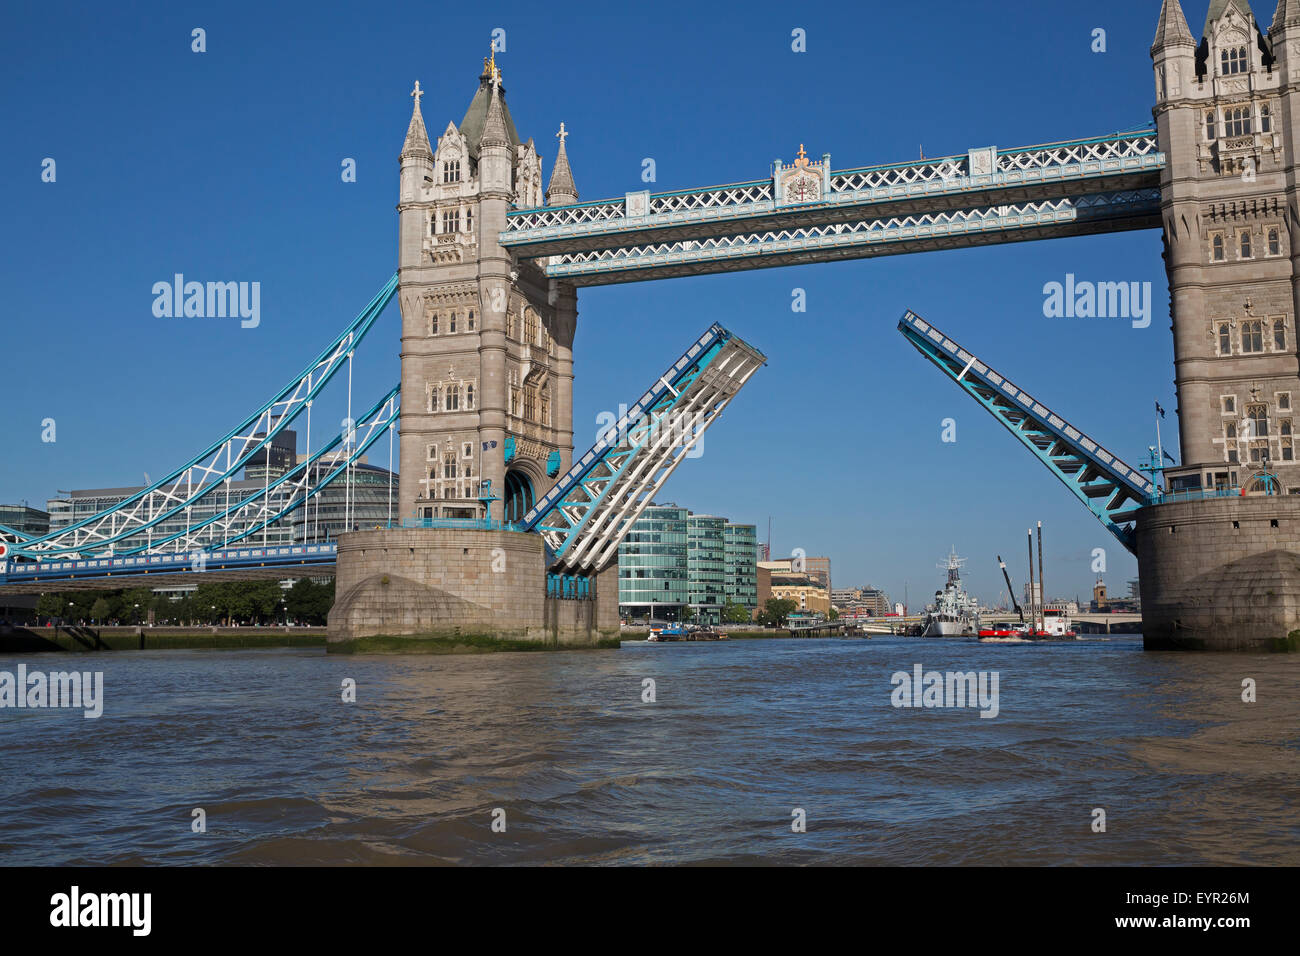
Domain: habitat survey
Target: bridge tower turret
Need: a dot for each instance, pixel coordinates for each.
(1222, 571)
(1224, 120)
(486, 340)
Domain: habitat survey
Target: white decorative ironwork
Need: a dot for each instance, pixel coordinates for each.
(925, 226)
(1106, 157)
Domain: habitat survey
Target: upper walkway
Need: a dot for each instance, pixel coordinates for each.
(985, 196)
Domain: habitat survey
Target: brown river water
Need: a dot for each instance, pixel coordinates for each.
(740, 736)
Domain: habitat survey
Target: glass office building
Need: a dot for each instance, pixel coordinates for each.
(741, 547)
(672, 559)
(652, 567)
(706, 566)
(28, 521)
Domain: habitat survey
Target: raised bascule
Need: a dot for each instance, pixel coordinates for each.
(500, 530)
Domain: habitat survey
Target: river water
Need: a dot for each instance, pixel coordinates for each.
(740, 735)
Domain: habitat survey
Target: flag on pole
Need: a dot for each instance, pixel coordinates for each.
(1160, 410)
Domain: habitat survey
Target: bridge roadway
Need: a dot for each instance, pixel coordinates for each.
(175, 569)
(986, 196)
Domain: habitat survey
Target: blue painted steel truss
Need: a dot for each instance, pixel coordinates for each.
(1110, 488)
(585, 516)
(208, 473)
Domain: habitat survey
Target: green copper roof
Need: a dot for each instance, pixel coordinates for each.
(471, 127)
(1219, 7)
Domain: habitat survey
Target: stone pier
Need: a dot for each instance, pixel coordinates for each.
(435, 587)
(1221, 573)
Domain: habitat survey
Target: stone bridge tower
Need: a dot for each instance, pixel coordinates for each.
(1220, 562)
(1228, 119)
(487, 343)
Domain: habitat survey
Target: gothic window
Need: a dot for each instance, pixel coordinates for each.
(451, 323)
(1233, 61)
(469, 398)
(451, 171)
(1236, 121)
(530, 326)
(1284, 402)
(1265, 118)
(1252, 336)
(1231, 429)
(453, 398)
(1210, 125)
(1274, 241)
(446, 491)
(530, 403)
(469, 218)
(470, 320)
(1217, 244)
(449, 465)
(469, 469)
(1229, 405)
(1279, 335)
(467, 450)
(1258, 415)
(433, 223)
(433, 324)
(510, 325)
(1286, 428)
(1225, 339)
(451, 220)
(433, 399)
(546, 405)
(1245, 244)
(1286, 451)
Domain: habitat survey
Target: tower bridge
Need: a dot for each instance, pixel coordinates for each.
(806, 212)
(491, 499)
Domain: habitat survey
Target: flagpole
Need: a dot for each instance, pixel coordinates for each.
(1160, 451)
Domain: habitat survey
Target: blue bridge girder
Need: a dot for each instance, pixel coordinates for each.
(987, 196)
(585, 516)
(206, 475)
(1111, 489)
(170, 569)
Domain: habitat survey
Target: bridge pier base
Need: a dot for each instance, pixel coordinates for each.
(449, 589)
(1220, 574)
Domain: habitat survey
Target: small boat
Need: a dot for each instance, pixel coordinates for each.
(1002, 630)
(672, 632)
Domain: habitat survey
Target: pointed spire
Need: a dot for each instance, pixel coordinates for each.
(561, 188)
(1172, 29)
(1287, 14)
(1219, 7)
(417, 138)
(494, 127)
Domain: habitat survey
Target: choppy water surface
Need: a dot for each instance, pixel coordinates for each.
(742, 733)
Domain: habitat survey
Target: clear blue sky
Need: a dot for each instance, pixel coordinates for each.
(225, 165)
